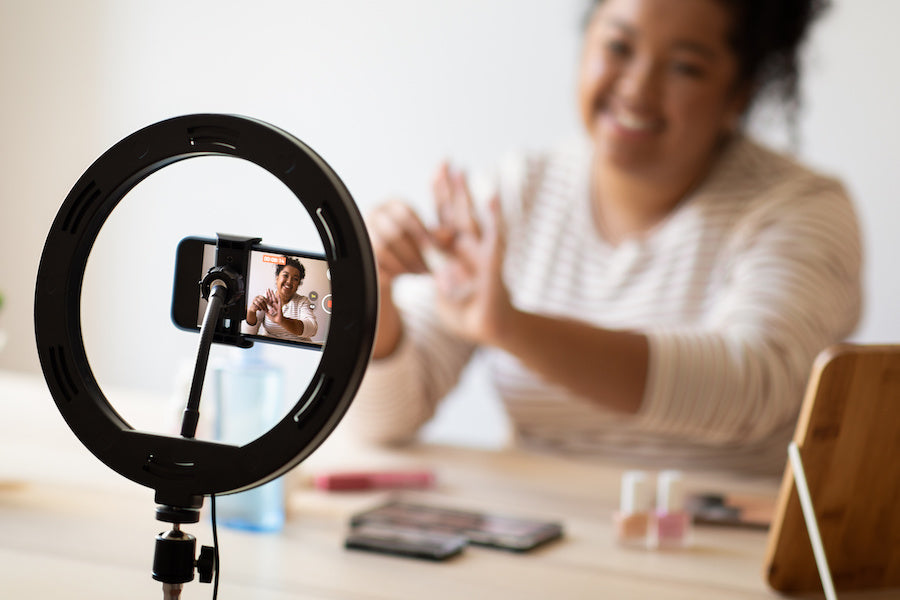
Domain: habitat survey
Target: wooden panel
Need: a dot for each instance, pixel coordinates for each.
(849, 439)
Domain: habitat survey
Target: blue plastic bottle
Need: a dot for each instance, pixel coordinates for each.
(249, 393)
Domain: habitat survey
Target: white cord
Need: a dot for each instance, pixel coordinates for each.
(809, 515)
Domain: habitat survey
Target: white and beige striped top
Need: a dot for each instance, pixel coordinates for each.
(298, 308)
(738, 290)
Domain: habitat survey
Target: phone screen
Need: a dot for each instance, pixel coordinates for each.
(295, 284)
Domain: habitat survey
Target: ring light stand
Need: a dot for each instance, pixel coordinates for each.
(183, 470)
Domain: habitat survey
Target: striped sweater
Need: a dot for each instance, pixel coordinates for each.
(298, 308)
(751, 276)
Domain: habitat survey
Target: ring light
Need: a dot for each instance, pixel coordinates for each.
(183, 470)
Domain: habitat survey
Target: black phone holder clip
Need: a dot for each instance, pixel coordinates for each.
(231, 270)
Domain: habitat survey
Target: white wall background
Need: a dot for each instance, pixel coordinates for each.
(383, 91)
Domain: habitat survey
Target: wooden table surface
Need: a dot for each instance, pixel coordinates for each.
(71, 528)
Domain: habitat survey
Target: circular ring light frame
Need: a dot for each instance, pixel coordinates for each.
(183, 470)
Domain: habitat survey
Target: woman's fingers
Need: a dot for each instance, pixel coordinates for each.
(273, 303)
(453, 202)
(397, 235)
(443, 198)
(495, 231)
(466, 217)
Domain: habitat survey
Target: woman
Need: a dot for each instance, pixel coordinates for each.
(283, 313)
(657, 295)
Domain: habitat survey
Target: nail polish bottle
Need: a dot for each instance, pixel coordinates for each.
(634, 520)
(673, 522)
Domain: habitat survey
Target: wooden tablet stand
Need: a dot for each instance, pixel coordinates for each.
(848, 436)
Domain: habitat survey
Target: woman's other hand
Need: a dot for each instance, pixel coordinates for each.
(257, 304)
(398, 239)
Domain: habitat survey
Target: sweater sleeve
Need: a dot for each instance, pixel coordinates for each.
(792, 288)
(308, 318)
(253, 329)
(401, 392)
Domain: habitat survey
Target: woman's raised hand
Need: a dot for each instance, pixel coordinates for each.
(273, 306)
(472, 299)
(398, 239)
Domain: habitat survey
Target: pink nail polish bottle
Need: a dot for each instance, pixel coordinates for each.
(673, 522)
(634, 520)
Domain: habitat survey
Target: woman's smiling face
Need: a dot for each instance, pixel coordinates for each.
(658, 84)
(287, 281)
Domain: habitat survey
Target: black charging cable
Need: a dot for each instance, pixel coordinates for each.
(215, 534)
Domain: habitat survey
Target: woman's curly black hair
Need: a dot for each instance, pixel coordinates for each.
(767, 37)
(292, 262)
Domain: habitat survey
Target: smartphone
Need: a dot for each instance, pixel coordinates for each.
(296, 283)
(404, 541)
(484, 529)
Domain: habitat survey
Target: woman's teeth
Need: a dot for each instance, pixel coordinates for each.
(631, 121)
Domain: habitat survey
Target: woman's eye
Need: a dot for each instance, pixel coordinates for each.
(688, 69)
(617, 48)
